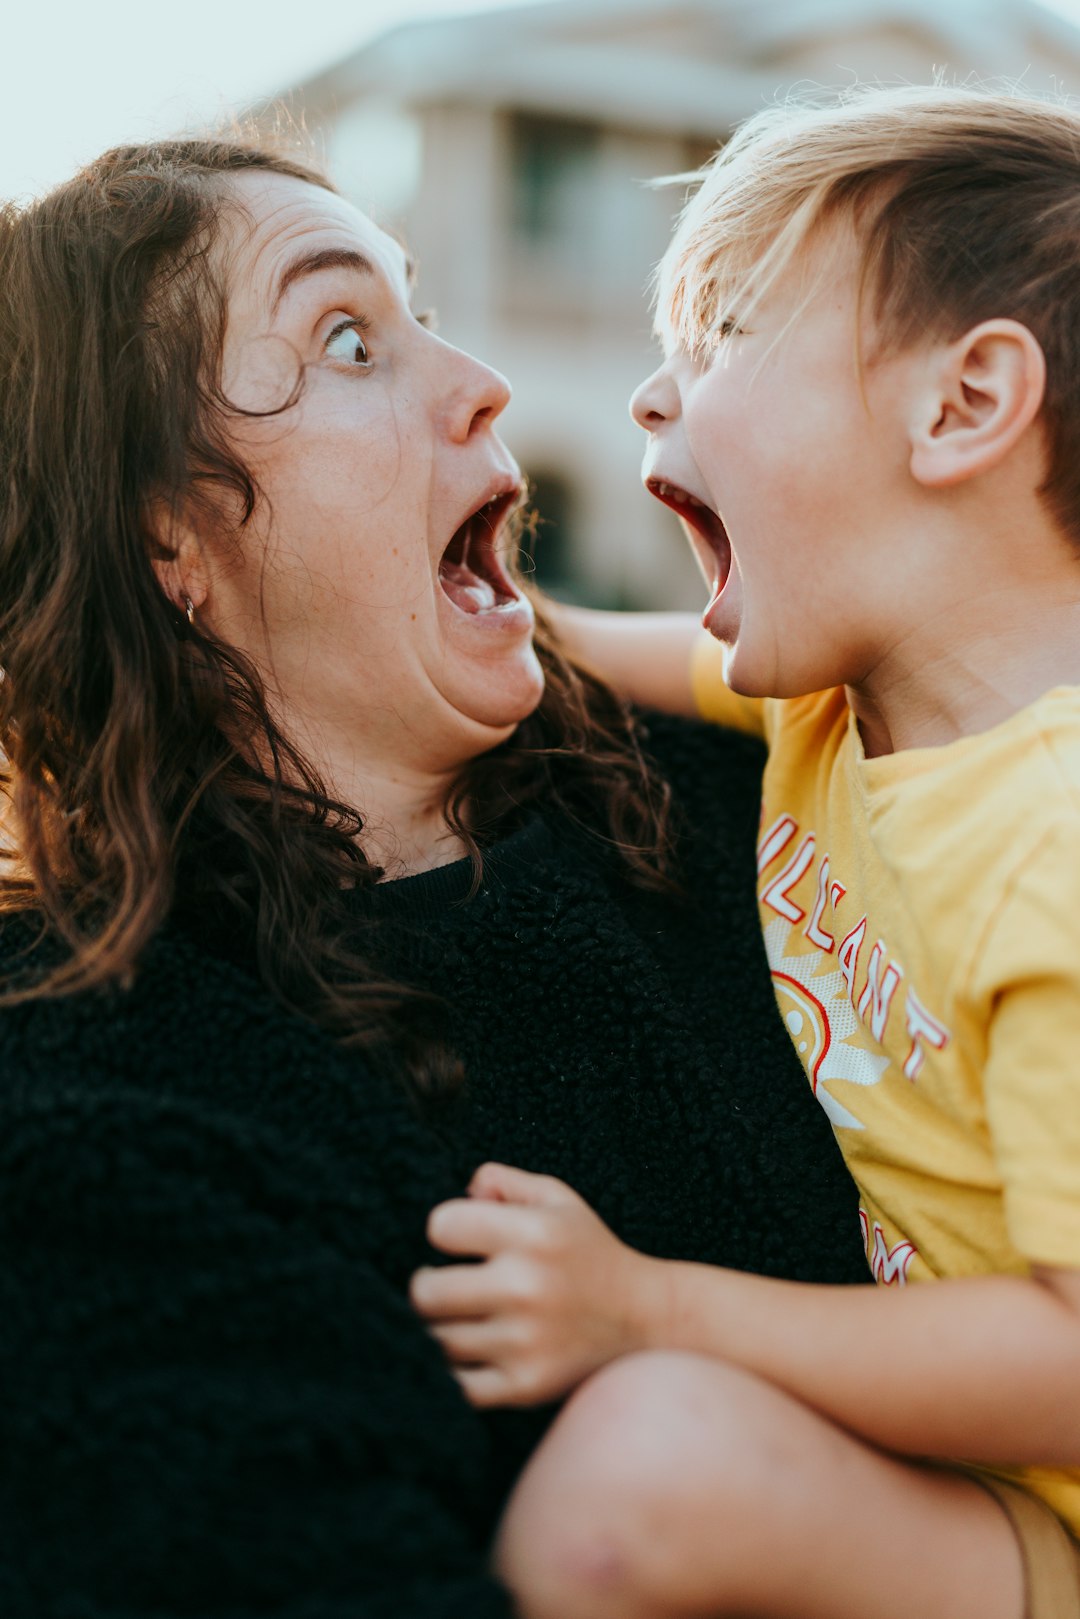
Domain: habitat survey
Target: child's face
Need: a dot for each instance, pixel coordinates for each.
(805, 465)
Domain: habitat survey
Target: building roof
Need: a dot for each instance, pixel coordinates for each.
(682, 65)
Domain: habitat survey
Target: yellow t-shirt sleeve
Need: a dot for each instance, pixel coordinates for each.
(1031, 979)
(714, 698)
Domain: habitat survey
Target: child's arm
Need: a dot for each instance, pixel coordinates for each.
(645, 657)
(664, 661)
(984, 1369)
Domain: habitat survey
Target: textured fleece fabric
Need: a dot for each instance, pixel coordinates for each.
(214, 1398)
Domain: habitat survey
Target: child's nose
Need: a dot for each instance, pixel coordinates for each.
(655, 401)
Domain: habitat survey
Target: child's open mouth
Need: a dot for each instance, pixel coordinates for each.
(470, 571)
(704, 529)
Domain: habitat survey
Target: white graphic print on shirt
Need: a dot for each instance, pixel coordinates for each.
(840, 996)
(824, 1010)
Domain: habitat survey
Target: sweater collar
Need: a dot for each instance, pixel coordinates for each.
(428, 894)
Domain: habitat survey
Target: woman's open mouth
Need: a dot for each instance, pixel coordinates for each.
(705, 530)
(470, 571)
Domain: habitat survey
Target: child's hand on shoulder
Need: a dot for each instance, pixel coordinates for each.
(551, 1296)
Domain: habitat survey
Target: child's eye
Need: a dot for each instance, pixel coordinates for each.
(728, 327)
(345, 343)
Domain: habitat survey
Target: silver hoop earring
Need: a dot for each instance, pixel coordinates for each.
(189, 609)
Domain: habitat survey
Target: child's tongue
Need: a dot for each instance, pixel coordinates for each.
(465, 588)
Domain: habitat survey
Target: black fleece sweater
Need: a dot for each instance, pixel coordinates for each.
(214, 1398)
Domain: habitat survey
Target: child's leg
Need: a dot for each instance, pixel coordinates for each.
(675, 1487)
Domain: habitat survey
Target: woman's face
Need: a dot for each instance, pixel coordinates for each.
(369, 587)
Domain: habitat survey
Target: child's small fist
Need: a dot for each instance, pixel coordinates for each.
(555, 1294)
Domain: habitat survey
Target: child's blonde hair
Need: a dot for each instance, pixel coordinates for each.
(965, 205)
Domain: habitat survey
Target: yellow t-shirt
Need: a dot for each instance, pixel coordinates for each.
(921, 914)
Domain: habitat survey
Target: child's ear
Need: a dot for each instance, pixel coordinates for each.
(983, 392)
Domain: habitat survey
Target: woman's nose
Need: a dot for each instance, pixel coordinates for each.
(656, 400)
(481, 396)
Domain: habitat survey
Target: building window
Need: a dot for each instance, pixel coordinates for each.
(554, 165)
(699, 151)
(550, 551)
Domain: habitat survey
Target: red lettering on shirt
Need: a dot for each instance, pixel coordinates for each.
(924, 1031)
(880, 988)
(887, 1265)
(777, 895)
(826, 896)
(848, 956)
(774, 841)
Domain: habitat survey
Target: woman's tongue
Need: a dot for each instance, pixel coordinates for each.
(466, 589)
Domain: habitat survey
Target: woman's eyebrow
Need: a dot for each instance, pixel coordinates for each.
(324, 258)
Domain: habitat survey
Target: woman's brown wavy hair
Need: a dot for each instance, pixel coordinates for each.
(146, 777)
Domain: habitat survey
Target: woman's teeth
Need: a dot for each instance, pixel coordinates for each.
(470, 572)
(466, 589)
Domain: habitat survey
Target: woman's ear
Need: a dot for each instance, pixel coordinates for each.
(983, 392)
(176, 556)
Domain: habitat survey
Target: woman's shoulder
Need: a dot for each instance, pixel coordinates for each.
(186, 1019)
(714, 772)
(193, 1070)
(179, 995)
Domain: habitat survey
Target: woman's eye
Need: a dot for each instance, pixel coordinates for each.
(345, 343)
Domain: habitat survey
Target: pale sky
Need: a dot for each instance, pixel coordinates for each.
(77, 76)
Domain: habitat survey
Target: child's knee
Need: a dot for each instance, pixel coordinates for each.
(662, 1427)
(656, 1452)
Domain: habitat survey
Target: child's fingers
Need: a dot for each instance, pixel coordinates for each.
(474, 1343)
(501, 1183)
(490, 1182)
(484, 1386)
(479, 1228)
(454, 1292)
(510, 1384)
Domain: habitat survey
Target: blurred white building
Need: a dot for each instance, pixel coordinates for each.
(511, 149)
